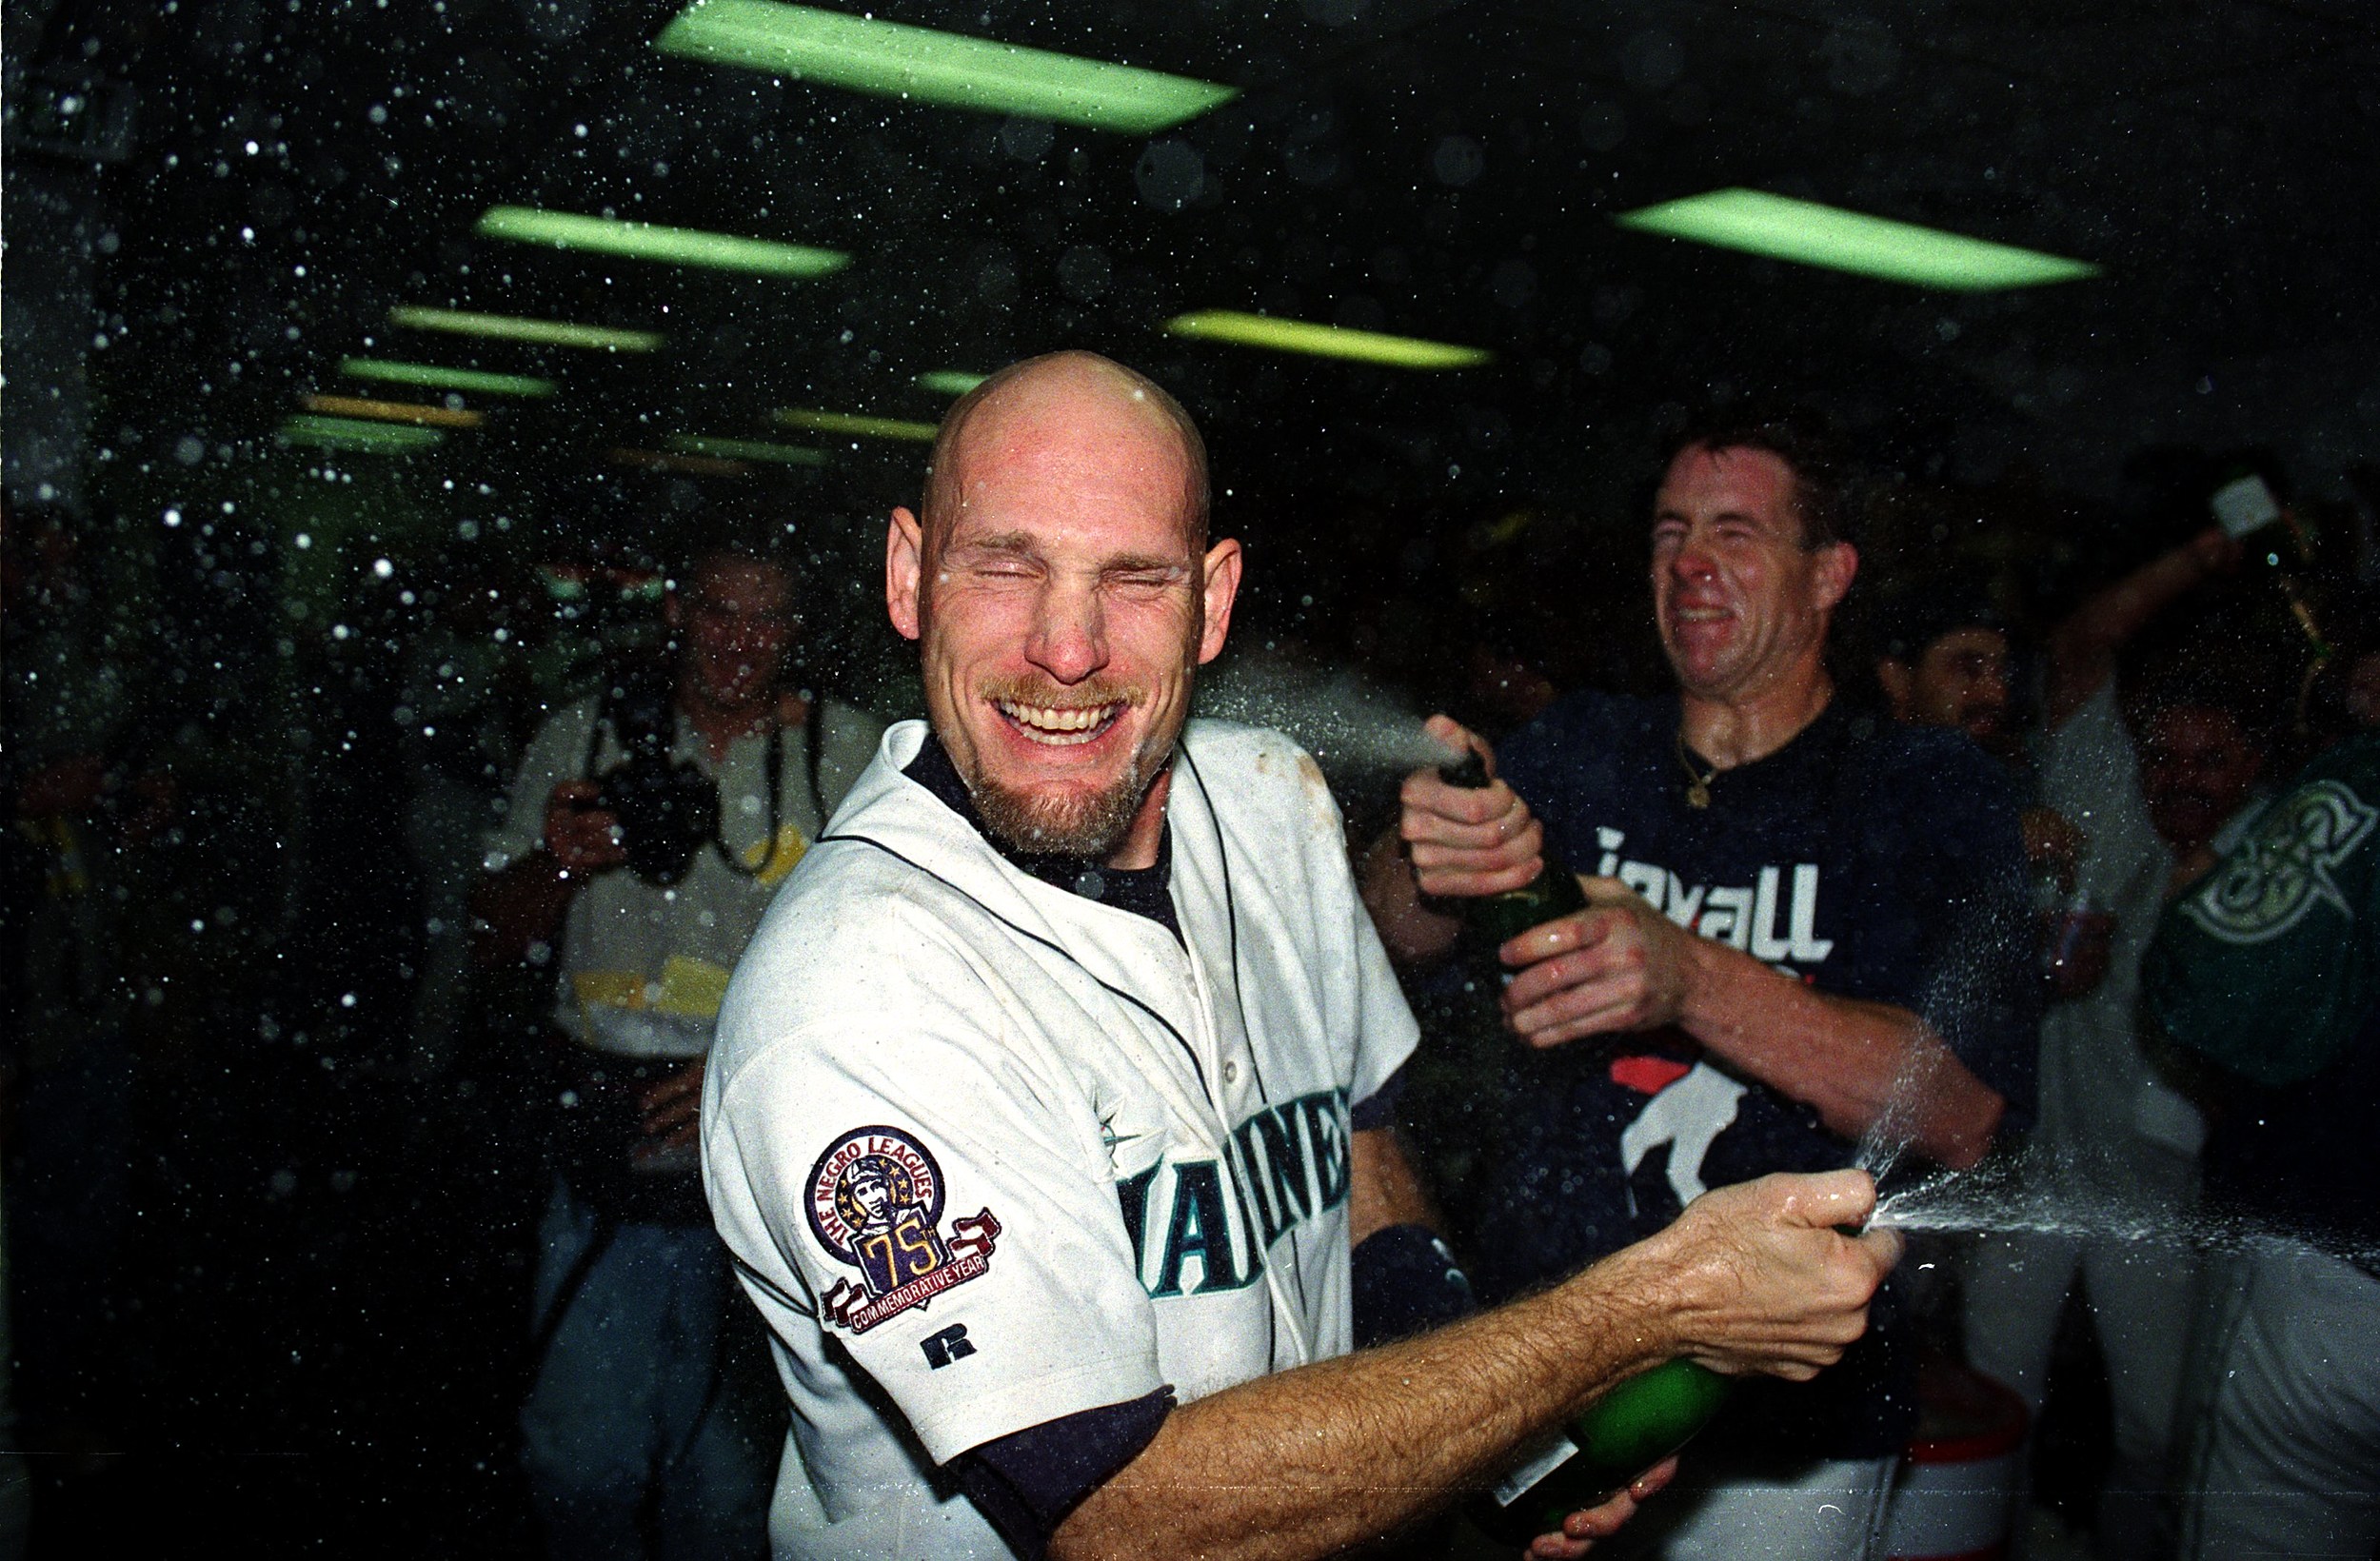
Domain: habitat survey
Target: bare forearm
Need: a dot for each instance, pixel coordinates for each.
(1383, 1187)
(1851, 1061)
(1309, 1462)
(2084, 644)
(1411, 931)
(520, 907)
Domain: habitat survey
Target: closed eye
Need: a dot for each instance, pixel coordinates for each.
(1146, 580)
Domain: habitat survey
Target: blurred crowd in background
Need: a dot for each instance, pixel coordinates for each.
(277, 1147)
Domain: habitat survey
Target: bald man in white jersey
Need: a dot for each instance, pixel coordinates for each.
(1045, 1122)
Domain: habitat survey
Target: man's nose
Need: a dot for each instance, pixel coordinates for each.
(1069, 634)
(1691, 561)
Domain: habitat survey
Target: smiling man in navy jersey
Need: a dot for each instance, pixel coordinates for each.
(1805, 925)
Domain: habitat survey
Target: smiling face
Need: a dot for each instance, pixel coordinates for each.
(2197, 767)
(735, 625)
(1741, 606)
(1063, 603)
(1959, 679)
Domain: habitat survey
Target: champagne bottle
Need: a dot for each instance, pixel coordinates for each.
(1617, 1437)
(2273, 542)
(1494, 919)
(1643, 1419)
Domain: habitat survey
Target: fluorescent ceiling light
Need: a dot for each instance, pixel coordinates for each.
(650, 241)
(1784, 229)
(746, 449)
(890, 60)
(852, 424)
(950, 382)
(1369, 346)
(395, 412)
(355, 434)
(433, 377)
(513, 328)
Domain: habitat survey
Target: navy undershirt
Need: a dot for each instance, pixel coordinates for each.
(1144, 891)
(1028, 1482)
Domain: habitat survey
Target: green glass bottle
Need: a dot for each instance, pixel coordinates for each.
(1617, 1437)
(1643, 1419)
(1492, 920)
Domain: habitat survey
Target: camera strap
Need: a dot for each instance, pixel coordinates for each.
(813, 728)
(813, 722)
(776, 812)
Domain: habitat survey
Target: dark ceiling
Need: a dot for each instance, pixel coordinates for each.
(1442, 168)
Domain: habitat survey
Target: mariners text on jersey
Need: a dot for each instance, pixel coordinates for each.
(1204, 1225)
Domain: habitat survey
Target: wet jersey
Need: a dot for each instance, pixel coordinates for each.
(1865, 860)
(989, 1153)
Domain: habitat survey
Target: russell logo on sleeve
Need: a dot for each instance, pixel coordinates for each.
(876, 1205)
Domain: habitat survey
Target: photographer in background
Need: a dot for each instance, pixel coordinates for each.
(646, 832)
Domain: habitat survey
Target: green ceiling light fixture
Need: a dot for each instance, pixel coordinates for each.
(433, 377)
(1812, 235)
(394, 411)
(651, 241)
(746, 449)
(851, 425)
(1367, 346)
(890, 60)
(950, 382)
(511, 327)
(347, 433)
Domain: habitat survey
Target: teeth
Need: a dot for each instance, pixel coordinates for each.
(1061, 727)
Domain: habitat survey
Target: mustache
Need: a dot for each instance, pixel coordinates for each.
(1095, 694)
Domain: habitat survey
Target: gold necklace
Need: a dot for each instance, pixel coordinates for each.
(1698, 781)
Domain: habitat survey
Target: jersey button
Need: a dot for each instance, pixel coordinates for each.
(1231, 1072)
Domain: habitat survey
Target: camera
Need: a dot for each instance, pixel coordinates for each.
(667, 809)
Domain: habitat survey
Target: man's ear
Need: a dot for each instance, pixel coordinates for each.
(904, 573)
(1899, 681)
(1220, 587)
(1838, 565)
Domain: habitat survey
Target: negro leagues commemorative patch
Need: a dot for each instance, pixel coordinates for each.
(876, 1205)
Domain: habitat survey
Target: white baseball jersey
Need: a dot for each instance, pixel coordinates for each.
(989, 1153)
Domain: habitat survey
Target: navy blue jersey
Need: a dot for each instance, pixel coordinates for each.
(1864, 859)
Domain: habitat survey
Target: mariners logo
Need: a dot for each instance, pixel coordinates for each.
(2284, 872)
(876, 1204)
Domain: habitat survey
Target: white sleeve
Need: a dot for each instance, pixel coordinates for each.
(2091, 774)
(1385, 1031)
(556, 754)
(848, 738)
(947, 1213)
